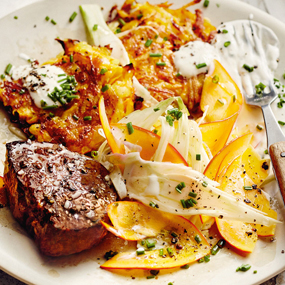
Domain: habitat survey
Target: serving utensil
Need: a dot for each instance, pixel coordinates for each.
(275, 136)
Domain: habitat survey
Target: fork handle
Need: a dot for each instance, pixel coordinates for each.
(277, 155)
(276, 144)
(273, 130)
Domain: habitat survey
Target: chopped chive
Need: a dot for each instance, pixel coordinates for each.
(94, 153)
(87, 118)
(224, 31)
(198, 156)
(160, 63)
(62, 80)
(248, 68)
(51, 114)
(221, 102)
(95, 27)
(182, 201)
(22, 91)
(259, 127)
(201, 260)
(49, 107)
(201, 65)
(139, 16)
(197, 239)
(152, 204)
(221, 243)
(193, 201)
(165, 39)
(189, 203)
(71, 58)
(283, 75)
(260, 88)
(16, 17)
(155, 131)
(150, 277)
(266, 151)
(174, 234)
(226, 44)
(255, 271)
(207, 258)
(2, 76)
(122, 22)
(155, 55)
(103, 70)
(215, 79)
(170, 251)
(53, 21)
(205, 184)
(215, 249)
(105, 88)
(130, 128)
(247, 187)
(59, 75)
(281, 123)
(161, 252)
(156, 36)
(180, 186)
(8, 68)
(178, 74)
(169, 120)
(47, 18)
(140, 251)
(118, 31)
(234, 98)
(243, 267)
(156, 109)
(150, 243)
(192, 194)
(148, 43)
(186, 266)
(206, 3)
(72, 17)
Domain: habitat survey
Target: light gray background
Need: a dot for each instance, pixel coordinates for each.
(276, 8)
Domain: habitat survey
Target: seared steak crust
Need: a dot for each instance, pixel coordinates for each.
(59, 196)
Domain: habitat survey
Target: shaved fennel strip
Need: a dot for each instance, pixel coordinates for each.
(220, 203)
(166, 132)
(148, 117)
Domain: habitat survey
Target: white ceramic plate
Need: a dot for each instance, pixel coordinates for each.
(32, 35)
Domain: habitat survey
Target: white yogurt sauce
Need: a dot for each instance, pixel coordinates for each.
(192, 54)
(40, 81)
(250, 43)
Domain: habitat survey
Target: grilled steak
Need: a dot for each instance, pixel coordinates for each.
(59, 196)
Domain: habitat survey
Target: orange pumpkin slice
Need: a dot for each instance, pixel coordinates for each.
(221, 94)
(225, 157)
(238, 234)
(215, 134)
(234, 181)
(133, 220)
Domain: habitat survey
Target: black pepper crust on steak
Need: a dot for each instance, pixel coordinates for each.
(59, 196)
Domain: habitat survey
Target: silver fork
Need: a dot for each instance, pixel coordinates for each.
(275, 136)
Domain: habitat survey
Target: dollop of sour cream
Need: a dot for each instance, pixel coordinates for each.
(190, 56)
(40, 81)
